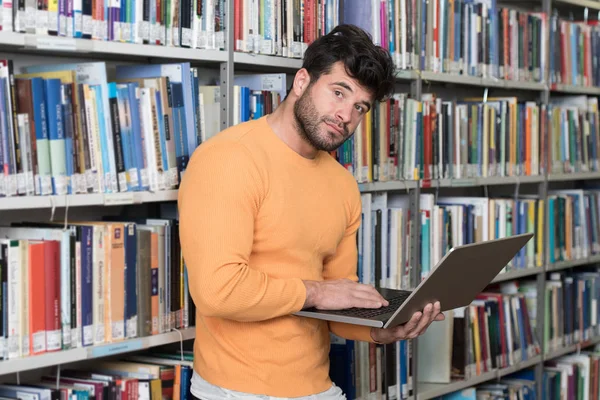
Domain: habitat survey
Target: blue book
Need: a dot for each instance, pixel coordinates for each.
(87, 290)
(177, 73)
(136, 136)
(54, 115)
(179, 128)
(94, 74)
(130, 280)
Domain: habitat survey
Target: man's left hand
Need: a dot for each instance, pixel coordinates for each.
(417, 325)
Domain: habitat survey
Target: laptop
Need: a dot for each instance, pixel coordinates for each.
(456, 280)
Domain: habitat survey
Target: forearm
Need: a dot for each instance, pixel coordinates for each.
(351, 332)
(241, 293)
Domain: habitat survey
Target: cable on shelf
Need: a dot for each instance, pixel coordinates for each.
(53, 209)
(180, 343)
(66, 213)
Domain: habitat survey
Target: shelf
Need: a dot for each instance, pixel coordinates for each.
(574, 176)
(483, 181)
(81, 200)
(582, 3)
(91, 352)
(272, 62)
(559, 266)
(406, 74)
(517, 274)
(447, 183)
(428, 391)
(574, 89)
(571, 348)
(56, 44)
(429, 76)
(389, 185)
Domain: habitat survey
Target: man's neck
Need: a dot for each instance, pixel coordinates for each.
(283, 123)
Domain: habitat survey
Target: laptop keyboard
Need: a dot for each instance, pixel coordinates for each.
(395, 302)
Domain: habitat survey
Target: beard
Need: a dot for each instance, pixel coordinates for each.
(310, 125)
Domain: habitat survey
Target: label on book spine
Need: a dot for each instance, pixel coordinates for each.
(132, 327)
(53, 340)
(39, 342)
(66, 337)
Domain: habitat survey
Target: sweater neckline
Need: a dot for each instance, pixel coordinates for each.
(288, 153)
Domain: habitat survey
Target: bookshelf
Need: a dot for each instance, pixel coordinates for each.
(92, 352)
(226, 64)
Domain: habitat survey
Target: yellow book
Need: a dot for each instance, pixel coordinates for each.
(475, 321)
(539, 234)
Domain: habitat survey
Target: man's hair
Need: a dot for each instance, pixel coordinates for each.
(371, 65)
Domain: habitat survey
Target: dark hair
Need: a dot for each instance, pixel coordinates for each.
(371, 65)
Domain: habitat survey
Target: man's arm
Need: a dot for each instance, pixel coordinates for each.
(343, 265)
(219, 199)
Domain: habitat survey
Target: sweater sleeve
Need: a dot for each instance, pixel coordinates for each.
(344, 265)
(219, 198)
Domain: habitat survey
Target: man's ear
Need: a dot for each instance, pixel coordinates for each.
(301, 81)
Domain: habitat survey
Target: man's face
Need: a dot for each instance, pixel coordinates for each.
(329, 110)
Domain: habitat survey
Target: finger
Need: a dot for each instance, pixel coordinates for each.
(369, 301)
(405, 330)
(373, 295)
(440, 317)
(437, 311)
(425, 320)
(371, 291)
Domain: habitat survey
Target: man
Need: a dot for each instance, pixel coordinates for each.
(268, 223)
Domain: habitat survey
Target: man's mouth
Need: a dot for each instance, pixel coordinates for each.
(337, 129)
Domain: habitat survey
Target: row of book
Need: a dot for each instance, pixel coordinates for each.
(368, 370)
(573, 224)
(66, 129)
(385, 248)
(89, 283)
(458, 37)
(436, 138)
(578, 45)
(573, 135)
(482, 39)
(573, 376)
(447, 222)
(496, 331)
(406, 139)
(571, 310)
(158, 374)
(185, 23)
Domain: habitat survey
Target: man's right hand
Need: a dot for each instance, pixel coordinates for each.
(340, 294)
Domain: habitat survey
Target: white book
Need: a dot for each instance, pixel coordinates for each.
(15, 300)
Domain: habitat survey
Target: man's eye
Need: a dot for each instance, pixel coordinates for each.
(338, 93)
(360, 109)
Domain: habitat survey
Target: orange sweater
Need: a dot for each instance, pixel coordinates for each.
(256, 218)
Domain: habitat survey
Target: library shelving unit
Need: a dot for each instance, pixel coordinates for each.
(226, 63)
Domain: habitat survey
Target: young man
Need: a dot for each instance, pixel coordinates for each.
(268, 223)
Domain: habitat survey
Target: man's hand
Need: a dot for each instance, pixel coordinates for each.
(417, 325)
(340, 294)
